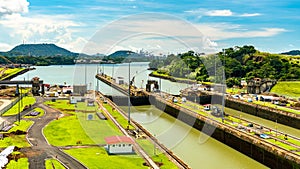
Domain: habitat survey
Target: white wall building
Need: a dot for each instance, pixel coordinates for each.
(119, 145)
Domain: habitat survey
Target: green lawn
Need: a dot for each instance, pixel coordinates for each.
(68, 130)
(97, 157)
(22, 163)
(10, 71)
(235, 90)
(282, 145)
(16, 140)
(53, 164)
(121, 120)
(81, 106)
(268, 104)
(290, 89)
(27, 100)
(42, 112)
(63, 105)
(156, 154)
(22, 126)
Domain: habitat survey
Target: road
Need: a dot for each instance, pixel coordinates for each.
(40, 150)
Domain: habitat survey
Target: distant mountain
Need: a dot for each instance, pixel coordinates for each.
(293, 52)
(38, 50)
(122, 53)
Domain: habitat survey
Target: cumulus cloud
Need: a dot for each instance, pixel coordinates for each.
(8, 7)
(56, 29)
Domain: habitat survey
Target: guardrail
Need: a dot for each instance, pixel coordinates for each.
(6, 108)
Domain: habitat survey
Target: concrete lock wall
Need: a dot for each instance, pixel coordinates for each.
(229, 137)
(134, 100)
(265, 113)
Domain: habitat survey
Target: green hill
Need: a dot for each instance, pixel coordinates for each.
(38, 50)
(125, 54)
(293, 52)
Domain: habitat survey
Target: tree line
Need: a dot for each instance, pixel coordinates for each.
(238, 63)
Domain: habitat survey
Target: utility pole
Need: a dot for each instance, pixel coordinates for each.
(128, 95)
(97, 87)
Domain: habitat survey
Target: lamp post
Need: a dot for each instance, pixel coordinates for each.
(128, 94)
(18, 94)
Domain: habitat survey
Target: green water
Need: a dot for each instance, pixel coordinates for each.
(196, 149)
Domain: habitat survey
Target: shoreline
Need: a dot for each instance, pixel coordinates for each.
(174, 79)
(17, 74)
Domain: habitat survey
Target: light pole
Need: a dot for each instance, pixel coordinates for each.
(128, 94)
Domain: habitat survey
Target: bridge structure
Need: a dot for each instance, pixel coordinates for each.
(257, 85)
(35, 82)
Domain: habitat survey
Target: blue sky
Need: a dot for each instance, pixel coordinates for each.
(168, 27)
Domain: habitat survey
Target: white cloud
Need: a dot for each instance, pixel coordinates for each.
(8, 7)
(224, 12)
(5, 47)
(222, 31)
(58, 29)
(250, 14)
(154, 32)
(219, 13)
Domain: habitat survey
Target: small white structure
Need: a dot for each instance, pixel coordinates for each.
(120, 80)
(119, 145)
(4, 154)
(73, 100)
(90, 102)
(207, 107)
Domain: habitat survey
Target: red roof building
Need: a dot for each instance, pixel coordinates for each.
(119, 145)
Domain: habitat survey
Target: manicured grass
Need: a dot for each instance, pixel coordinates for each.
(175, 78)
(156, 154)
(16, 140)
(66, 131)
(290, 89)
(27, 100)
(97, 157)
(282, 145)
(10, 71)
(121, 120)
(42, 112)
(235, 90)
(63, 105)
(82, 107)
(53, 164)
(69, 130)
(268, 104)
(22, 163)
(22, 126)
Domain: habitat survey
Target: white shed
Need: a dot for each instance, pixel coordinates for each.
(120, 80)
(119, 145)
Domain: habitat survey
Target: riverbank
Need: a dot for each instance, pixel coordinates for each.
(17, 73)
(171, 78)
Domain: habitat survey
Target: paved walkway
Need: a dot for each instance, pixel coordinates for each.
(40, 145)
(40, 150)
